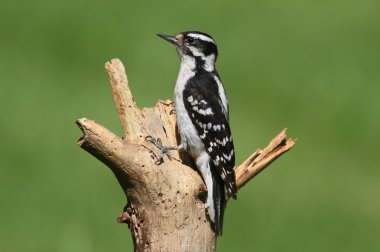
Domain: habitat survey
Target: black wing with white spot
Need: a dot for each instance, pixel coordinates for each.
(209, 116)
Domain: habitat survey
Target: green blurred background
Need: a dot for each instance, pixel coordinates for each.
(310, 66)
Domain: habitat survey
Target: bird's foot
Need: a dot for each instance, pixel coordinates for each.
(164, 150)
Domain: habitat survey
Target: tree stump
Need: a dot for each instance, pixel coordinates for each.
(165, 209)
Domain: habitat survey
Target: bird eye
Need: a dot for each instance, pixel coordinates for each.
(190, 40)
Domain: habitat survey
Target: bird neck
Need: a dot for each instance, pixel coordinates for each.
(207, 63)
(198, 63)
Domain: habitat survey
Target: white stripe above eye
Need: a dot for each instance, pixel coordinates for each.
(201, 37)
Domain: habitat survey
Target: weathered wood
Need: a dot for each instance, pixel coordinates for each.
(165, 210)
(260, 159)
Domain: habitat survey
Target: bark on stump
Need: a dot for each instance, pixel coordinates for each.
(165, 209)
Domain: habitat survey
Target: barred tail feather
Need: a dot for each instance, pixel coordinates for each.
(219, 199)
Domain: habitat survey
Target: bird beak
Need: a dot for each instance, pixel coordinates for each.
(175, 40)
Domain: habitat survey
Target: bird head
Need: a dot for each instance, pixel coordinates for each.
(194, 44)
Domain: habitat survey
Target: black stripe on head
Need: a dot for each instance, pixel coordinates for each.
(204, 42)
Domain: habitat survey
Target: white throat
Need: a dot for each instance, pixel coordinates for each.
(186, 71)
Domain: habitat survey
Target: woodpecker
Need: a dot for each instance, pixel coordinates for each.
(201, 108)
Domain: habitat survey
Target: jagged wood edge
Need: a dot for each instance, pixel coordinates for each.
(260, 159)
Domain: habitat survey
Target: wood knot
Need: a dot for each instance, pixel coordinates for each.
(131, 217)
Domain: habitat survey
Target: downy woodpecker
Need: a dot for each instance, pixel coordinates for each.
(201, 108)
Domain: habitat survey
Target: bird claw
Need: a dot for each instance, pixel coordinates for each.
(164, 150)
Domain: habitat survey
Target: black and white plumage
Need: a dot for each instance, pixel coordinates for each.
(201, 108)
